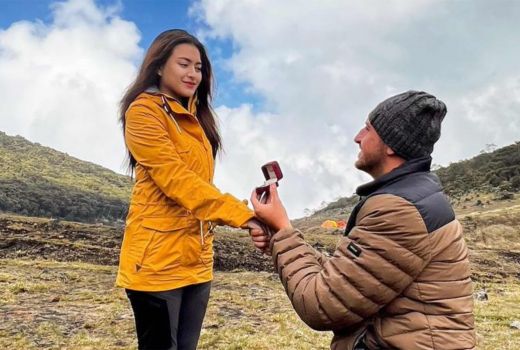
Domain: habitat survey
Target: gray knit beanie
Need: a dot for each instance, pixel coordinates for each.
(409, 123)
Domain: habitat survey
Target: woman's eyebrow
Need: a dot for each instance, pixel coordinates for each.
(189, 60)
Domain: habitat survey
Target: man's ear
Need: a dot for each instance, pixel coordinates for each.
(389, 151)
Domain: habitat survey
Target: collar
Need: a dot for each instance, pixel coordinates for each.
(411, 166)
(177, 106)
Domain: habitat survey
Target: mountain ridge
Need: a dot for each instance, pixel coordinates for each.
(36, 180)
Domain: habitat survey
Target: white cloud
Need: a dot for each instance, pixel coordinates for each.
(251, 140)
(323, 65)
(60, 82)
(493, 112)
(320, 67)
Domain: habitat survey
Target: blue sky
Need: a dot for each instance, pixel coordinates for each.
(295, 79)
(151, 17)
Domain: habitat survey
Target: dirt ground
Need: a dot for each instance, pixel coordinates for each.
(27, 238)
(69, 305)
(57, 286)
(493, 237)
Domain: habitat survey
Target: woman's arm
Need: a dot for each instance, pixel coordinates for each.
(147, 139)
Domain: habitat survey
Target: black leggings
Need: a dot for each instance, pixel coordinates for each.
(170, 320)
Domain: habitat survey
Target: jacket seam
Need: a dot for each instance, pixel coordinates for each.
(400, 246)
(443, 281)
(320, 307)
(425, 231)
(302, 280)
(356, 285)
(335, 295)
(418, 284)
(425, 314)
(388, 261)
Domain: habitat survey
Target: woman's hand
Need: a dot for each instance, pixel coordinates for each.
(272, 213)
(259, 235)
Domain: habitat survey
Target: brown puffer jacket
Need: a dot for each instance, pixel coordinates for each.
(399, 279)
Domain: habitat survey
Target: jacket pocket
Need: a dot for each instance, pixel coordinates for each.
(165, 245)
(166, 224)
(206, 255)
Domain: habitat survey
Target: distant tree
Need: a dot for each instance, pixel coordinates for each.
(505, 186)
(490, 147)
(515, 182)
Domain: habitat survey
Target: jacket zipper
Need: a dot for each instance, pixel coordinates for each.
(168, 111)
(358, 338)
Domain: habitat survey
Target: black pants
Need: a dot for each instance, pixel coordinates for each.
(170, 320)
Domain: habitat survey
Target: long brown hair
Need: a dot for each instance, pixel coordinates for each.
(148, 76)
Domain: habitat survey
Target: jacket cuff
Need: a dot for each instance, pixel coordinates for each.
(283, 234)
(244, 218)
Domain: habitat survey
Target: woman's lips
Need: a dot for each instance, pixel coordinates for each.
(190, 85)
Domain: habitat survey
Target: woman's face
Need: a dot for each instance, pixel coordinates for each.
(181, 74)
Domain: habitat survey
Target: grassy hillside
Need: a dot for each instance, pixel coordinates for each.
(39, 181)
(493, 172)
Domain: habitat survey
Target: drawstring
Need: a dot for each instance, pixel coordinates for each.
(211, 227)
(201, 232)
(168, 111)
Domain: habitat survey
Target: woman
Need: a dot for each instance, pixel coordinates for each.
(172, 138)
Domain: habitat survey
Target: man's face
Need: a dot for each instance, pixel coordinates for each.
(372, 150)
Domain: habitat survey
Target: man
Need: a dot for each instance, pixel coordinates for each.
(400, 276)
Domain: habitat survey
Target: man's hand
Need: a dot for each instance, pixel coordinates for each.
(259, 236)
(272, 213)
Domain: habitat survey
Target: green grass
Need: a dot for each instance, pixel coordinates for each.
(494, 316)
(51, 305)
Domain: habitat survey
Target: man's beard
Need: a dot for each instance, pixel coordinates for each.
(371, 163)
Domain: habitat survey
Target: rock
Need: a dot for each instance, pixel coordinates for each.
(515, 324)
(212, 326)
(53, 223)
(481, 295)
(505, 195)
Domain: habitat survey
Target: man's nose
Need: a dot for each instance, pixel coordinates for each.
(357, 138)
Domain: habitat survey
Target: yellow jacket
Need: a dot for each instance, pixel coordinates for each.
(168, 243)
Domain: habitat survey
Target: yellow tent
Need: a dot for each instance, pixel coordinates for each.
(329, 224)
